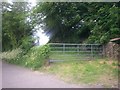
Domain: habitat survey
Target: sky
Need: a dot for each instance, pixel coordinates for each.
(43, 38)
(33, 2)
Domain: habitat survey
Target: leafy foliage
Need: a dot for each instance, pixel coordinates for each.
(34, 58)
(105, 24)
(15, 26)
(79, 22)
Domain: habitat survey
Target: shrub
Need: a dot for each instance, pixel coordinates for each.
(27, 43)
(36, 57)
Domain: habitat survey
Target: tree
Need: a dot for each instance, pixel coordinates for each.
(63, 21)
(78, 22)
(105, 24)
(15, 26)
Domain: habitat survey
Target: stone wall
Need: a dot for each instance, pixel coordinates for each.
(112, 51)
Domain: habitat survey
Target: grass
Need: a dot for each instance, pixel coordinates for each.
(96, 72)
(72, 56)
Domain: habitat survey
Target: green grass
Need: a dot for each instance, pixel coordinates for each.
(86, 72)
(72, 56)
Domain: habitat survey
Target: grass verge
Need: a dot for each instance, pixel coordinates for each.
(96, 72)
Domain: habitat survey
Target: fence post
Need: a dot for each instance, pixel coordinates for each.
(63, 48)
(78, 49)
(103, 51)
(91, 52)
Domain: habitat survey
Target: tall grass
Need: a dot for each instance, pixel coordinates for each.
(10, 54)
(34, 58)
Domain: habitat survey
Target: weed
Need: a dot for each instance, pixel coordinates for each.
(34, 58)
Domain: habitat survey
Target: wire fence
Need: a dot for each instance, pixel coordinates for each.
(68, 51)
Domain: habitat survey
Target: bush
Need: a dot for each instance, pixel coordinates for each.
(36, 56)
(27, 43)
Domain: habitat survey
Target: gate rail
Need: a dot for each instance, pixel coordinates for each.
(81, 51)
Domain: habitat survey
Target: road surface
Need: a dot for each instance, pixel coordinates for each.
(18, 77)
